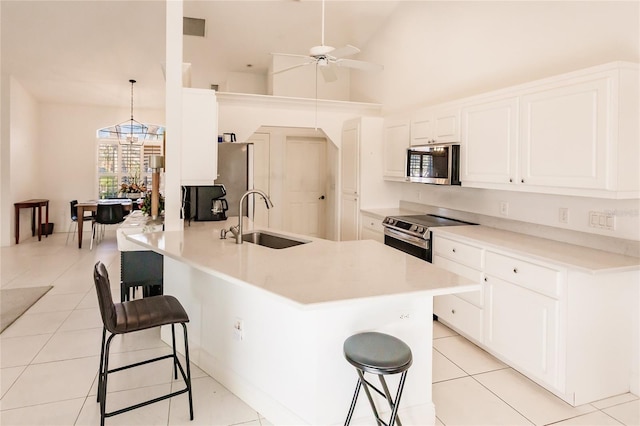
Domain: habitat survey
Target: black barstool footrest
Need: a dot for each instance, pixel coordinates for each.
(379, 354)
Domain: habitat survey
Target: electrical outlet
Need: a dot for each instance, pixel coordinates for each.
(602, 220)
(563, 215)
(504, 208)
(238, 329)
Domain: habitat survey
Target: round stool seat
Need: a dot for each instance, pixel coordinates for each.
(377, 353)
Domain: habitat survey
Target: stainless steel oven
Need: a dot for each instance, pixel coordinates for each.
(412, 234)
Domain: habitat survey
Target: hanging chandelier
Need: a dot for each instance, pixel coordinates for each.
(132, 132)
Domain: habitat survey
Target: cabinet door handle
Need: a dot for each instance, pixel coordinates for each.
(522, 180)
(515, 270)
(485, 279)
(453, 250)
(453, 311)
(321, 197)
(510, 180)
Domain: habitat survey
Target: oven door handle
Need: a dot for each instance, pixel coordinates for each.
(409, 239)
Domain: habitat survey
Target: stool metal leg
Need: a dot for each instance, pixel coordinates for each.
(353, 403)
(186, 355)
(175, 356)
(100, 371)
(395, 406)
(368, 392)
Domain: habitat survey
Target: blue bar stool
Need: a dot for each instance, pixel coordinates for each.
(378, 354)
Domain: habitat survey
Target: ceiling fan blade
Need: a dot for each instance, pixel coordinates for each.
(343, 51)
(293, 67)
(359, 65)
(328, 73)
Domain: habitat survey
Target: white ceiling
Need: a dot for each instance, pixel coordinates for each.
(85, 51)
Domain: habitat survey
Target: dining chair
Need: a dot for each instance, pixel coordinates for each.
(106, 214)
(74, 220)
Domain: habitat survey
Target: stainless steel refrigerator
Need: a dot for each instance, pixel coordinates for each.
(235, 172)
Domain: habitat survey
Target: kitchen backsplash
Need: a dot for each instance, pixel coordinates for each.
(600, 242)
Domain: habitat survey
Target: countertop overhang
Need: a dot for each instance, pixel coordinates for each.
(311, 274)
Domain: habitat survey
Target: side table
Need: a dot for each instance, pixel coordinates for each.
(32, 204)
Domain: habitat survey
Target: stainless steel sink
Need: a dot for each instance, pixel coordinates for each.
(271, 240)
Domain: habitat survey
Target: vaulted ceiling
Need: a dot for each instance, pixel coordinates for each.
(85, 51)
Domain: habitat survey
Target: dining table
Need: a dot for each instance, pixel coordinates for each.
(92, 206)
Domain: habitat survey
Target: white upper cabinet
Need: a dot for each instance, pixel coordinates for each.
(396, 141)
(490, 141)
(574, 134)
(564, 134)
(438, 124)
(199, 137)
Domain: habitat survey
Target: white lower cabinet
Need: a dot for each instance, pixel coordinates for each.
(460, 315)
(371, 228)
(462, 311)
(522, 327)
(565, 328)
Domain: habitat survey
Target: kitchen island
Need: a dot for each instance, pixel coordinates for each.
(269, 324)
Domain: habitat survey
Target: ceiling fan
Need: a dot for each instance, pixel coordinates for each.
(328, 58)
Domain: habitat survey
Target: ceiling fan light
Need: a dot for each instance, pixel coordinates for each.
(320, 50)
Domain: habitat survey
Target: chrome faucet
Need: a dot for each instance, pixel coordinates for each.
(237, 230)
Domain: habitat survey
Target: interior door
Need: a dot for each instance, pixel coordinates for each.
(305, 186)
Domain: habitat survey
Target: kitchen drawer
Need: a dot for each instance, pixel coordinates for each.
(474, 297)
(459, 252)
(533, 276)
(461, 315)
(372, 223)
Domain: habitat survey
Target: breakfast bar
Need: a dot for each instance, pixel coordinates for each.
(269, 324)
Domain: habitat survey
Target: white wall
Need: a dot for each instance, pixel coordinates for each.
(244, 82)
(67, 152)
(25, 167)
(435, 51)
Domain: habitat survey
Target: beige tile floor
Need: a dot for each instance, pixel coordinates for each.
(49, 361)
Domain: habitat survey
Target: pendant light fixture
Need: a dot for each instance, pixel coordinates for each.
(132, 132)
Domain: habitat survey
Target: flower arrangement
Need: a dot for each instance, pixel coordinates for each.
(134, 185)
(132, 188)
(146, 204)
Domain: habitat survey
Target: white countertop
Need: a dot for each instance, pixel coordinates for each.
(135, 223)
(318, 272)
(568, 255)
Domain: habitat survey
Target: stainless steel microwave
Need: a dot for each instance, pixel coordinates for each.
(437, 164)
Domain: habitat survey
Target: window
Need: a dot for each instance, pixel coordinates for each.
(125, 166)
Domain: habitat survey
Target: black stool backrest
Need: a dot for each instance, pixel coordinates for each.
(109, 214)
(74, 209)
(103, 289)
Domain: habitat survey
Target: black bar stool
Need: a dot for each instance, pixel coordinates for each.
(378, 354)
(136, 315)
